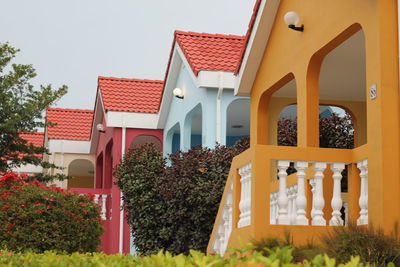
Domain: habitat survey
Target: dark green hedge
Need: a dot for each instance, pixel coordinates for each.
(174, 207)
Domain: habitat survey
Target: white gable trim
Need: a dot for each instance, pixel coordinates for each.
(132, 120)
(255, 48)
(205, 79)
(69, 146)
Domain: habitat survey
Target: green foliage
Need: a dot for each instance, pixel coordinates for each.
(280, 257)
(299, 253)
(371, 244)
(334, 132)
(174, 207)
(38, 218)
(21, 110)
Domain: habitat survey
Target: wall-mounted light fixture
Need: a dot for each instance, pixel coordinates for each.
(178, 92)
(291, 19)
(100, 128)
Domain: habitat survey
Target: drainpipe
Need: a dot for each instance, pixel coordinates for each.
(218, 108)
(121, 214)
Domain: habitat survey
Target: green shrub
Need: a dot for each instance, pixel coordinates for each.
(299, 253)
(371, 244)
(174, 207)
(38, 218)
(280, 257)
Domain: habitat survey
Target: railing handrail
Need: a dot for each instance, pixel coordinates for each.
(91, 191)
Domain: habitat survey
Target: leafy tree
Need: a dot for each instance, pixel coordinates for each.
(21, 110)
(334, 131)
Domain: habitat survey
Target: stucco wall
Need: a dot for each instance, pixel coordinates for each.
(195, 98)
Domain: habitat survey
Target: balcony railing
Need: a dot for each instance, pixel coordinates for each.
(259, 193)
(101, 197)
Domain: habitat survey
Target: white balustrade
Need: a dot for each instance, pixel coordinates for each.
(225, 225)
(337, 202)
(363, 201)
(319, 202)
(273, 207)
(245, 196)
(292, 209)
(283, 201)
(288, 205)
(301, 201)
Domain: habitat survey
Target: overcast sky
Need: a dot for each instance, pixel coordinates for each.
(73, 42)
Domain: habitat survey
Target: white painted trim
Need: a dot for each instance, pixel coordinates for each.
(211, 79)
(205, 79)
(121, 211)
(255, 48)
(69, 146)
(132, 119)
(97, 118)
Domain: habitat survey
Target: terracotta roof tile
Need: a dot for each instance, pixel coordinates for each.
(72, 124)
(36, 138)
(210, 51)
(247, 37)
(130, 95)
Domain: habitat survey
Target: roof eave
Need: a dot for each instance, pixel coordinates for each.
(256, 45)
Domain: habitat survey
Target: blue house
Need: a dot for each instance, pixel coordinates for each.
(198, 106)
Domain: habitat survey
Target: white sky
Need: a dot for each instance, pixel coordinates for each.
(73, 42)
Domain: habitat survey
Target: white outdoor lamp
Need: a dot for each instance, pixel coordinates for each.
(178, 92)
(100, 128)
(291, 19)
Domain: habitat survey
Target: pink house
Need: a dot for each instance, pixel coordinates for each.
(125, 116)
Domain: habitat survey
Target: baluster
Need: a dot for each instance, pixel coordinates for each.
(271, 208)
(103, 207)
(229, 204)
(289, 193)
(336, 202)
(301, 201)
(294, 205)
(363, 201)
(283, 217)
(96, 199)
(312, 183)
(221, 235)
(245, 199)
(276, 202)
(319, 202)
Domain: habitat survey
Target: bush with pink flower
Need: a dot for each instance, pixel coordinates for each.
(39, 218)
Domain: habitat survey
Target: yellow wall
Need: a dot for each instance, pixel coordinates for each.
(298, 55)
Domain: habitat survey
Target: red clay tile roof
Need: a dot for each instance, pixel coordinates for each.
(210, 51)
(130, 95)
(72, 124)
(247, 37)
(36, 138)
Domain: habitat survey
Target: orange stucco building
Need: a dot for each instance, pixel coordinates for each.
(346, 56)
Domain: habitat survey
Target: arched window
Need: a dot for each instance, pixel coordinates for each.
(82, 172)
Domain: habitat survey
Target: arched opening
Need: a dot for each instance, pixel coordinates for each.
(173, 139)
(143, 139)
(109, 163)
(99, 171)
(196, 127)
(237, 121)
(336, 127)
(342, 78)
(82, 173)
(273, 101)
